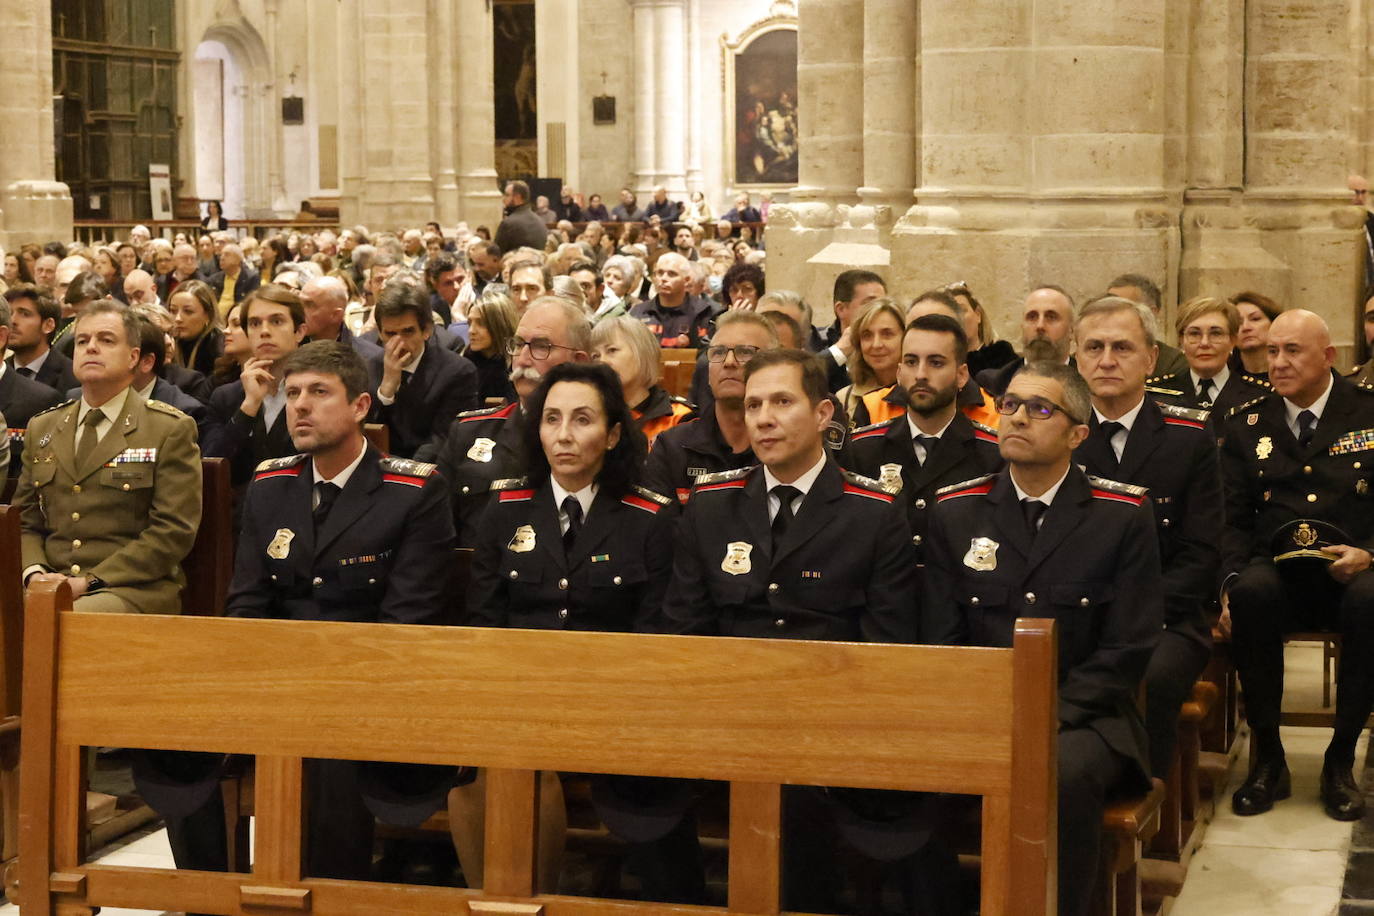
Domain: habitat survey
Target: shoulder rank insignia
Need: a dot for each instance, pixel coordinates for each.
(54, 407)
(860, 485)
(650, 495)
(1166, 392)
(1239, 408)
(872, 430)
(984, 432)
(737, 477)
(1257, 381)
(290, 466)
(164, 407)
(1184, 416)
(975, 487)
(647, 500)
(405, 471)
(509, 483)
(1115, 490)
(495, 413)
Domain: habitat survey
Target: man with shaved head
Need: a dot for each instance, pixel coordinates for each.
(1298, 468)
(324, 300)
(676, 318)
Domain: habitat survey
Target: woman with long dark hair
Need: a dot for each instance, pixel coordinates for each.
(195, 325)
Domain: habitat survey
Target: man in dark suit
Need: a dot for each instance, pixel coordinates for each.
(340, 532)
(1298, 467)
(186, 267)
(933, 444)
(1171, 452)
(1208, 328)
(33, 318)
(251, 412)
(324, 300)
(520, 228)
(1043, 539)
(234, 280)
(794, 549)
(853, 291)
(419, 385)
(1046, 334)
(20, 397)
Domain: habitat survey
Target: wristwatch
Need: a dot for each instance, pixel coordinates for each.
(93, 583)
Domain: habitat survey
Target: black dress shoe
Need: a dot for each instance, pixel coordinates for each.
(1341, 798)
(1267, 783)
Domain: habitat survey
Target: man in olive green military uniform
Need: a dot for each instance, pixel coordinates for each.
(110, 489)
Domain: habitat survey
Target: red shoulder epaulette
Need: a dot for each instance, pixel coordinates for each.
(871, 494)
(639, 502)
(279, 472)
(986, 437)
(500, 414)
(723, 485)
(867, 433)
(516, 496)
(1179, 421)
(1117, 497)
(981, 489)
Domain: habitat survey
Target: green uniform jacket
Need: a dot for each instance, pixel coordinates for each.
(129, 516)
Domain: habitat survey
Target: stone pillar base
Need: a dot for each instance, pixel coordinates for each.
(34, 211)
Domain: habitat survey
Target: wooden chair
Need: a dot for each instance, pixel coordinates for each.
(210, 564)
(379, 436)
(1127, 826)
(11, 657)
(916, 718)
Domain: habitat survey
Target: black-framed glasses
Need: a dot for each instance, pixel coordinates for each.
(1036, 408)
(742, 353)
(539, 348)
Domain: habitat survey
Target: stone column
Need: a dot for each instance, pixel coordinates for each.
(443, 113)
(890, 143)
(830, 99)
(479, 199)
(33, 206)
(670, 97)
(276, 188)
(645, 114)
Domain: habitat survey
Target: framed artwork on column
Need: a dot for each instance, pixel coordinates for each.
(760, 82)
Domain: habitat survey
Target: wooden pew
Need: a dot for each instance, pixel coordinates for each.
(210, 564)
(378, 436)
(975, 721)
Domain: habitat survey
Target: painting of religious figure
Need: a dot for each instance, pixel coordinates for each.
(765, 109)
(514, 65)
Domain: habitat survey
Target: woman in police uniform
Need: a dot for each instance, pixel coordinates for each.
(576, 545)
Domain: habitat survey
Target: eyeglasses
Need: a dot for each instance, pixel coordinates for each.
(1213, 335)
(742, 353)
(1036, 408)
(539, 349)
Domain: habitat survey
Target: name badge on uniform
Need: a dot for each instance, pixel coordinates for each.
(481, 449)
(736, 561)
(523, 541)
(890, 476)
(281, 544)
(1264, 448)
(982, 555)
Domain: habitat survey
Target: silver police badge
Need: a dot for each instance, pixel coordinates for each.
(890, 476)
(523, 541)
(982, 555)
(280, 547)
(481, 449)
(736, 561)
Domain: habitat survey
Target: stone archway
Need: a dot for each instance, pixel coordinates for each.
(231, 85)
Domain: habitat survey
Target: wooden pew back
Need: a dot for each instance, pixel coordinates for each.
(11, 658)
(210, 564)
(759, 713)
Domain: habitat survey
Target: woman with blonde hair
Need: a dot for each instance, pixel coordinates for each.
(628, 346)
(491, 326)
(877, 333)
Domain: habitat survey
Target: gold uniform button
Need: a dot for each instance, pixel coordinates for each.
(772, 588)
(1082, 602)
(274, 577)
(920, 504)
(974, 601)
(371, 581)
(125, 487)
(916, 539)
(1165, 523)
(617, 580)
(1311, 497)
(1357, 465)
(76, 516)
(76, 543)
(780, 622)
(76, 488)
(514, 574)
(465, 490)
(317, 582)
(1030, 597)
(563, 584)
(1307, 469)
(76, 570)
(563, 614)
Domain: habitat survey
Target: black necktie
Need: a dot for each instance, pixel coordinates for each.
(1034, 510)
(1204, 392)
(573, 510)
(327, 493)
(27, 373)
(927, 443)
(786, 495)
(1307, 423)
(1109, 430)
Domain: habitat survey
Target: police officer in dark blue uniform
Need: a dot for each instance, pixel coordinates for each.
(1170, 451)
(1043, 539)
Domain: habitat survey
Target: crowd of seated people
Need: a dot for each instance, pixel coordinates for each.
(899, 475)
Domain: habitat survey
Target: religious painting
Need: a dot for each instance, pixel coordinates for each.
(761, 77)
(514, 70)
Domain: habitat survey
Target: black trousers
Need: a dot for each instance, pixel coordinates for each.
(338, 827)
(1088, 771)
(1175, 666)
(1268, 601)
